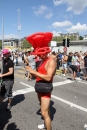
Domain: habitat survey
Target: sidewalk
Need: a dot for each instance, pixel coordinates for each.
(59, 71)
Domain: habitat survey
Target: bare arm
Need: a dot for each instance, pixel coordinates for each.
(8, 73)
(26, 60)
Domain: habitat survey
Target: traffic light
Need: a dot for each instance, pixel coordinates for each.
(64, 42)
(68, 42)
(16, 43)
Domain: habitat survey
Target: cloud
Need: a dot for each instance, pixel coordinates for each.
(61, 24)
(78, 28)
(9, 36)
(57, 2)
(68, 16)
(76, 6)
(48, 16)
(43, 10)
(56, 33)
(40, 10)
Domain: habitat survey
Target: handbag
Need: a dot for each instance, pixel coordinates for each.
(43, 87)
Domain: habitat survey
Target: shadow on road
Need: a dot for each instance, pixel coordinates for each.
(52, 110)
(6, 115)
(12, 126)
(17, 99)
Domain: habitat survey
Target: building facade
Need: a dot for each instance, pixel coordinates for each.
(85, 37)
(12, 44)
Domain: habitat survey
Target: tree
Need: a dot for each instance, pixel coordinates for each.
(0, 44)
(80, 38)
(25, 44)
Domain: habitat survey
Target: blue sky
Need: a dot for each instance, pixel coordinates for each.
(57, 16)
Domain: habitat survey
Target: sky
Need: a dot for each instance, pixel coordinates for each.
(56, 16)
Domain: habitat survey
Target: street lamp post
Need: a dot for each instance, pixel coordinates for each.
(2, 41)
(2, 32)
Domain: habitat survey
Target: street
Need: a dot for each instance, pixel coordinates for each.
(68, 105)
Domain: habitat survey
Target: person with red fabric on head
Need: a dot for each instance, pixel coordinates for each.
(44, 74)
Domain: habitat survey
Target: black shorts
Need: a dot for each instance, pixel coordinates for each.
(74, 68)
(6, 88)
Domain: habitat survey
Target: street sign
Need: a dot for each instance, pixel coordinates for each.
(65, 49)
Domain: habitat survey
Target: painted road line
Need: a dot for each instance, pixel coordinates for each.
(31, 89)
(78, 81)
(62, 83)
(54, 84)
(26, 85)
(27, 90)
(61, 77)
(23, 91)
(82, 82)
(70, 103)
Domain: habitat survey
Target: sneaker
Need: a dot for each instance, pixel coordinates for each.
(42, 126)
(8, 108)
(63, 74)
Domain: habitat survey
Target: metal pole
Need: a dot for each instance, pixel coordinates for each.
(2, 41)
(2, 32)
(66, 42)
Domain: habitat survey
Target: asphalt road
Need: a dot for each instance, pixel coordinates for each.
(68, 105)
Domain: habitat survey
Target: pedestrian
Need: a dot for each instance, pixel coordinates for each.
(26, 62)
(44, 78)
(73, 69)
(32, 63)
(64, 63)
(7, 78)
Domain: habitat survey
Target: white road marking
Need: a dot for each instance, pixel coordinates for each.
(62, 83)
(23, 91)
(54, 84)
(61, 77)
(70, 103)
(26, 85)
(82, 82)
(31, 89)
(78, 81)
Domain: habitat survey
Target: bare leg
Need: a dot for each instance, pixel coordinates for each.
(45, 104)
(9, 101)
(74, 74)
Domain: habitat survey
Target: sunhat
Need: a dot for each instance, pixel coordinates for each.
(5, 51)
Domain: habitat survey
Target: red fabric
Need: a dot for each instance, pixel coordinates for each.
(45, 95)
(37, 59)
(40, 39)
(40, 42)
(41, 51)
(41, 70)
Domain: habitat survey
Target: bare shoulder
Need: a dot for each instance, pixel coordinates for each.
(51, 61)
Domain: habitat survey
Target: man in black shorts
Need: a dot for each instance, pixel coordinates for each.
(7, 78)
(73, 69)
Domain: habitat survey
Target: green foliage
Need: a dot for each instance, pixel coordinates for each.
(25, 44)
(80, 38)
(0, 44)
(72, 38)
(58, 39)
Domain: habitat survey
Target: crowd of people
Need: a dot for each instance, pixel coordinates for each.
(74, 63)
(41, 64)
